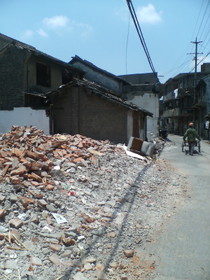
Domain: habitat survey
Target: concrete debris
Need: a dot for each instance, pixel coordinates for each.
(144, 148)
(68, 206)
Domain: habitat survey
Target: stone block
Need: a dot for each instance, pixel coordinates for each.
(147, 148)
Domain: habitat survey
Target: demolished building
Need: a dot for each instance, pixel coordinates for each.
(34, 80)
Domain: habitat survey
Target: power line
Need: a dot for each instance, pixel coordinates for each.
(205, 11)
(126, 52)
(180, 68)
(201, 61)
(140, 34)
(201, 28)
(204, 28)
(193, 35)
(204, 47)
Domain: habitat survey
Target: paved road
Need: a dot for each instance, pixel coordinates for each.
(183, 247)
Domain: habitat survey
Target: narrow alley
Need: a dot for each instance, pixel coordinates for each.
(182, 246)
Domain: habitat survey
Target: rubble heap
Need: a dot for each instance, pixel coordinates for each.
(68, 207)
(27, 155)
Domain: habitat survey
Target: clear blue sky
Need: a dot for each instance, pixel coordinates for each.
(102, 32)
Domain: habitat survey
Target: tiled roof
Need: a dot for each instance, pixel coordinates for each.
(101, 92)
(6, 41)
(76, 58)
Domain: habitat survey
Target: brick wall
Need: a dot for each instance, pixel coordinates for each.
(11, 78)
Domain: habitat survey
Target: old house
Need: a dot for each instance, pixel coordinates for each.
(30, 79)
(99, 76)
(84, 107)
(138, 89)
(184, 101)
(202, 106)
(24, 69)
(143, 90)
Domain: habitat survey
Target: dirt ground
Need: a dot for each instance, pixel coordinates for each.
(88, 215)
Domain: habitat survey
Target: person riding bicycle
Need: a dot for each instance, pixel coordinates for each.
(191, 135)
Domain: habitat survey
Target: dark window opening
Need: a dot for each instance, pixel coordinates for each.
(43, 75)
(67, 76)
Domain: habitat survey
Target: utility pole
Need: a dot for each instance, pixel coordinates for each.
(196, 114)
(196, 42)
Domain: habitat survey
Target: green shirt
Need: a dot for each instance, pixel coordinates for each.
(191, 135)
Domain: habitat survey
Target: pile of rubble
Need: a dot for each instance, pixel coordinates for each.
(68, 207)
(27, 154)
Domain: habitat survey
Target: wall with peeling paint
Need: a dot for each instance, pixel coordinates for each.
(150, 102)
(24, 117)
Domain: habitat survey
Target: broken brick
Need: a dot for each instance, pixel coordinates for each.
(87, 218)
(5, 170)
(50, 187)
(19, 171)
(78, 160)
(26, 201)
(16, 223)
(2, 236)
(34, 177)
(18, 152)
(68, 241)
(2, 213)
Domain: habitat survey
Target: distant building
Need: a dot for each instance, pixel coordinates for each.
(186, 99)
(202, 106)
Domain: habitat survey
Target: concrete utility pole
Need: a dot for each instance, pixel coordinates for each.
(196, 42)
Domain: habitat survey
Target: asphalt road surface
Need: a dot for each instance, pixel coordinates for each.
(182, 249)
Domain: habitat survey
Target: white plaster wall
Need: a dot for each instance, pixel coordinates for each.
(149, 102)
(24, 117)
(129, 124)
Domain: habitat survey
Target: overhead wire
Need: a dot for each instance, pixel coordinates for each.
(126, 47)
(140, 34)
(197, 20)
(201, 60)
(205, 33)
(200, 29)
(201, 23)
(204, 27)
(202, 32)
(180, 68)
(207, 43)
